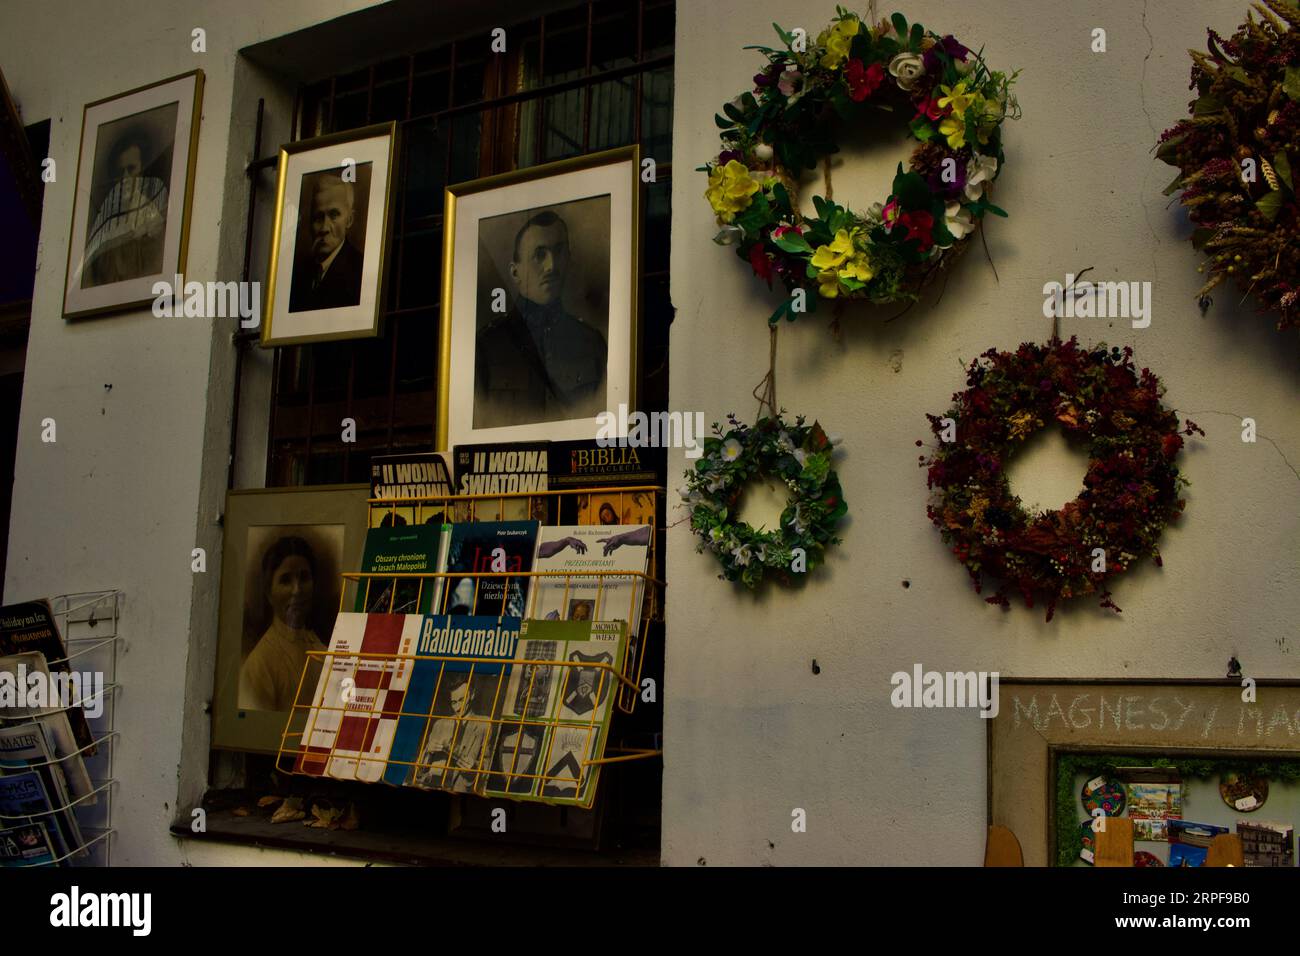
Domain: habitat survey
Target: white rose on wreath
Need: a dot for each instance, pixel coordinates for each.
(907, 68)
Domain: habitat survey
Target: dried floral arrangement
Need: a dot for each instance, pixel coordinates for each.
(1233, 159)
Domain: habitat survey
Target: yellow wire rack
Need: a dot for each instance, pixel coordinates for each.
(524, 756)
(476, 747)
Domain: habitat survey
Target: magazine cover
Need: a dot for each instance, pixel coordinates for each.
(570, 704)
(30, 626)
(617, 507)
(374, 701)
(489, 546)
(25, 699)
(505, 468)
(414, 475)
(26, 845)
(585, 464)
(582, 549)
(352, 715)
(410, 549)
(26, 757)
(449, 726)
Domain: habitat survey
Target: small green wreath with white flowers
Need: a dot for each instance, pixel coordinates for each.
(797, 455)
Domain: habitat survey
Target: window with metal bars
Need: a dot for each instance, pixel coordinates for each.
(582, 80)
(590, 78)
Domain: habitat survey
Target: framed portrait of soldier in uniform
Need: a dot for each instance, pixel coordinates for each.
(540, 301)
(329, 244)
(131, 205)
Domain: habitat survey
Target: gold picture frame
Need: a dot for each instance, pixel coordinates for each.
(330, 520)
(347, 299)
(123, 238)
(510, 201)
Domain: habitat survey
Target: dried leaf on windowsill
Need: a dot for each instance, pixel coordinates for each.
(289, 811)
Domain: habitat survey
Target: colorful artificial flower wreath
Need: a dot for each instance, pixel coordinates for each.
(1131, 489)
(1233, 159)
(956, 106)
(799, 456)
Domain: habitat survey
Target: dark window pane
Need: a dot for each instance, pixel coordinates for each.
(426, 160)
(657, 29)
(469, 75)
(315, 110)
(353, 81)
(565, 55)
(613, 109)
(417, 355)
(658, 226)
(657, 114)
(392, 70)
(349, 111)
(373, 357)
(562, 132)
(325, 468)
(433, 59)
(464, 148)
(613, 34)
(332, 360)
(421, 269)
(389, 103)
(431, 93)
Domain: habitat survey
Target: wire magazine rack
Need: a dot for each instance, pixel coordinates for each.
(477, 748)
(88, 623)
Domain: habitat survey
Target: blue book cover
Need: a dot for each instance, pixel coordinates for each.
(24, 795)
(489, 547)
(444, 736)
(26, 845)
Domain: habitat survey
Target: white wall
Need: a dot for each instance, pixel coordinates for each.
(124, 495)
(751, 733)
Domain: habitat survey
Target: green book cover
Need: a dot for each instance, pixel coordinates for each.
(392, 552)
(555, 718)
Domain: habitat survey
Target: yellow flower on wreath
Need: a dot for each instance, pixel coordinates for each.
(731, 189)
(840, 259)
(954, 128)
(837, 40)
(1023, 424)
(956, 98)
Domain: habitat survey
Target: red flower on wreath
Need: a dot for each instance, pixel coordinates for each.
(863, 81)
(761, 263)
(920, 226)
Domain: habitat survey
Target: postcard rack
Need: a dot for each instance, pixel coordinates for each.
(466, 751)
(89, 624)
(498, 739)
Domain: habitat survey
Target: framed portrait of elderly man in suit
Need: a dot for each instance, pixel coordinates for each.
(539, 301)
(329, 246)
(131, 208)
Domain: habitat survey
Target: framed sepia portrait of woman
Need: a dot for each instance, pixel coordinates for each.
(329, 246)
(134, 186)
(283, 552)
(540, 301)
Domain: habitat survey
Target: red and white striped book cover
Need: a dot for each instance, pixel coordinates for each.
(358, 698)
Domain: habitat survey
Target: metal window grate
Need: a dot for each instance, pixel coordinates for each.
(581, 80)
